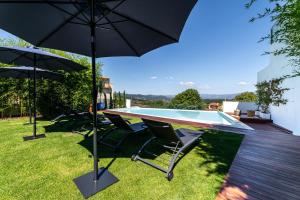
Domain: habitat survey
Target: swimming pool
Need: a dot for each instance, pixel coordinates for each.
(193, 116)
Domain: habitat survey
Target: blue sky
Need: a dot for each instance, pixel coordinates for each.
(218, 53)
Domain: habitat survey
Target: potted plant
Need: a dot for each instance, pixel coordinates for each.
(250, 113)
(270, 93)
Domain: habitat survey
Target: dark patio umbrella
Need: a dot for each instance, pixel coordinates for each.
(26, 56)
(35, 57)
(27, 72)
(97, 28)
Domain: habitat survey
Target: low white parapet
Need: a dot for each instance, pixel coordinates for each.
(231, 106)
(128, 103)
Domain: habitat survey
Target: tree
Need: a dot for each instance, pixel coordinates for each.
(111, 103)
(189, 99)
(124, 99)
(286, 30)
(119, 100)
(270, 92)
(105, 101)
(52, 96)
(246, 97)
(115, 100)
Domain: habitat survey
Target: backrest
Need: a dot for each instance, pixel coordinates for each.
(118, 121)
(161, 130)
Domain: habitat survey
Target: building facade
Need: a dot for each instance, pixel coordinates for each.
(285, 115)
(105, 92)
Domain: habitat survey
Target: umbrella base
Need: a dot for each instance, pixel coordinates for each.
(88, 186)
(28, 138)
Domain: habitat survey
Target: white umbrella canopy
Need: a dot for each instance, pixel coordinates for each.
(97, 28)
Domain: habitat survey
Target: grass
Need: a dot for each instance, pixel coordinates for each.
(45, 168)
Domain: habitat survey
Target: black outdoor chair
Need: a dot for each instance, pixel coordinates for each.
(84, 118)
(123, 124)
(87, 123)
(176, 141)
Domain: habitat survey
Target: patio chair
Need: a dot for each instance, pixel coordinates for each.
(87, 126)
(122, 124)
(176, 141)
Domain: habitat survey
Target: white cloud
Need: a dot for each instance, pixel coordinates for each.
(169, 77)
(187, 84)
(153, 77)
(242, 83)
(205, 87)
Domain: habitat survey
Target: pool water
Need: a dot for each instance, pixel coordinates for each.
(201, 116)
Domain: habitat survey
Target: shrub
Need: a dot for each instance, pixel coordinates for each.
(246, 97)
(189, 99)
(270, 92)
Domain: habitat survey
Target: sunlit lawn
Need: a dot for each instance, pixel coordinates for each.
(45, 168)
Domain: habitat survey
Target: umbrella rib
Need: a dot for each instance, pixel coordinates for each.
(115, 7)
(42, 2)
(83, 14)
(19, 56)
(65, 11)
(115, 22)
(78, 23)
(123, 37)
(144, 25)
(59, 27)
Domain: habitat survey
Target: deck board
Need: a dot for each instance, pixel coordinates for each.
(267, 166)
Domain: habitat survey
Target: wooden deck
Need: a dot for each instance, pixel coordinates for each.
(267, 166)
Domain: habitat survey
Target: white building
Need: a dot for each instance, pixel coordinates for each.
(284, 115)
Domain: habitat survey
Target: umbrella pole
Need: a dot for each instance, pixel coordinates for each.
(95, 139)
(34, 136)
(29, 102)
(34, 96)
(99, 179)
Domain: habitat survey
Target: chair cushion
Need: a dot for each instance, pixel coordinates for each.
(137, 127)
(187, 135)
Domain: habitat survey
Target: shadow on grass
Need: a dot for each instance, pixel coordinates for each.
(218, 150)
(67, 124)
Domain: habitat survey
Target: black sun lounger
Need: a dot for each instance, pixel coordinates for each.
(175, 141)
(123, 124)
(102, 122)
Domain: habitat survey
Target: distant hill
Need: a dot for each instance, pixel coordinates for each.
(219, 96)
(169, 97)
(149, 97)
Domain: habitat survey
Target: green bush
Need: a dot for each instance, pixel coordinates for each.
(52, 97)
(246, 97)
(189, 99)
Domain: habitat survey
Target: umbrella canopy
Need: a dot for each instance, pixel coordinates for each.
(97, 28)
(26, 56)
(123, 27)
(27, 72)
(32, 56)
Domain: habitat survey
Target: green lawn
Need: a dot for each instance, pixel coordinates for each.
(45, 168)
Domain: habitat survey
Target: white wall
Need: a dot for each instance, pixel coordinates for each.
(128, 103)
(231, 106)
(284, 115)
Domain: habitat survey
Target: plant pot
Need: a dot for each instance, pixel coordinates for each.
(237, 112)
(257, 113)
(265, 115)
(250, 113)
